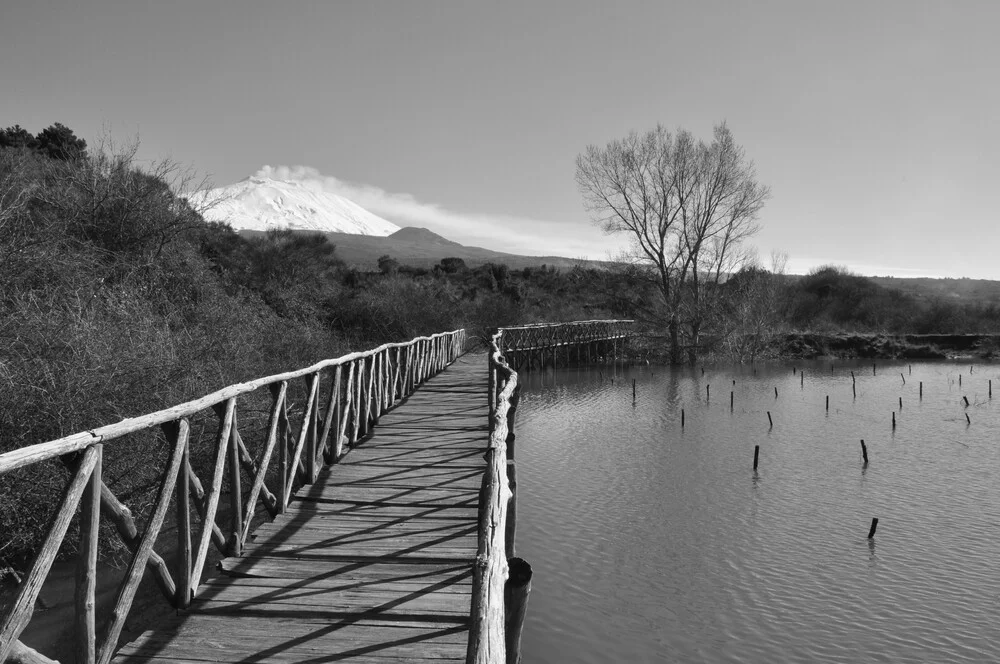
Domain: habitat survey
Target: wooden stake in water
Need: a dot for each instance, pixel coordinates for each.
(769, 420)
(708, 393)
(966, 400)
(893, 421)
(960, 380)
(854, 390)
(901, 403)
(731, 401)
(873, 368)
(967, 420)
(910, 369)
(828, 403)
(802, 378)
(871, 531)
(775, 392)
(864, 451)
(903, 377)
(682, 418)
(756, 454)
(921, 389)
(991, 388)
(633, 389)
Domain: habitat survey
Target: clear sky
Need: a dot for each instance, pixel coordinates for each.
(876, 124)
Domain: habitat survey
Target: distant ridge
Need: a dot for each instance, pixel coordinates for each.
(419, 247)
(421, 236)
(263, 204)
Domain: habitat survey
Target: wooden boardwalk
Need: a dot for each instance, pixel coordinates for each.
(371, 564)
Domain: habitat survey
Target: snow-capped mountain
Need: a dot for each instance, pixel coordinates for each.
(261, 204)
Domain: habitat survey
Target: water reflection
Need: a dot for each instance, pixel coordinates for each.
(649, 545)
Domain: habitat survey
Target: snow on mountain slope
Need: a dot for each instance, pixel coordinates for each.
(261, 204)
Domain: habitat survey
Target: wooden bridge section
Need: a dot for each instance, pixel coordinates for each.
(552, 344)
(361, 519)
(371, 563)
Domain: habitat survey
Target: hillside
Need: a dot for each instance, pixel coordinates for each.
(262, 204)
(983, 291)
(419, 247)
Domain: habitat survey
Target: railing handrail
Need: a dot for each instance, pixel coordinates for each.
(364, 385)
(74, 442)
(534, 326)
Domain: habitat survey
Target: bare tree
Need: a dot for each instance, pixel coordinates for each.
(686, 207)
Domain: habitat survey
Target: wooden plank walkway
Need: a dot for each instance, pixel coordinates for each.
(371, 564)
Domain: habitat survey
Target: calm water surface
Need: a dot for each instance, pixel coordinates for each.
(655, 543)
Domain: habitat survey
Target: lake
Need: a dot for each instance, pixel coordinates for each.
(654, 543)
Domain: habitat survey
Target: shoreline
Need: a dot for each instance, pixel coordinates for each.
(807, 345)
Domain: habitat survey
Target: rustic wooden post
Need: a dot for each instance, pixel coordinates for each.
(492, 387)
(337, 402)
(86, 567)
(346, 412)
(515, 595)
(511, 528)
(19, 613)
(329, 421)
(278, 392)
(756, 455)
(309, 422)
(375, 391)
(183, 499)
(126, 593)
(225, 410)
(235, 541)
(864, 451)
(871, 531)
(359, 402)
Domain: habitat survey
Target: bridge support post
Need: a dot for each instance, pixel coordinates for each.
(511, 527)
(515, 594)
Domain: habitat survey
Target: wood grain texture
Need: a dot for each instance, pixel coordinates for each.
(373, 562)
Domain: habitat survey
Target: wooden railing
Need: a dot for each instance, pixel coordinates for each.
(543, 343)
(501, 581)
(488, 634)
(361, 386)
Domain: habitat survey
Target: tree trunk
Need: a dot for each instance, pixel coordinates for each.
(675, 344)
(695, 340)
